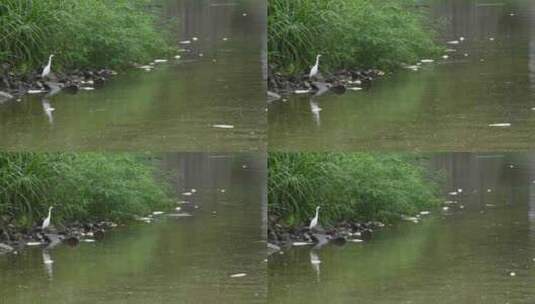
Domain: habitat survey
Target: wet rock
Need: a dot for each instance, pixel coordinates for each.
(5, 248)
(71, 241)
(338, 89)
(366, 235)
(98, 235)
(5, 96)
(72, 88)
(339, 240)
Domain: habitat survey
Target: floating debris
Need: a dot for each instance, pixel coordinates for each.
(238, 275)
(160, 60)
(158, 213)
(356, 240)
(185, 42)
(410, 219)
(445, 57)
(225, 39)
(183, 214)
(244, 14)
(425, 212)
(193, 190)
(460, 190)
(453, 193)
(178, 57)
(87, 88)
(512, 273)
(35, 91)
(187, 193)
(88, 240)
(506, 124)
(301, 91)
(453, 42)
(223, 126)
(491, 38)
(450, 202)
(34, 244)
(222, 190)
(461, 38)
(298, 244)
(489, 190)
(355, 89)
(427, 60)
(178, 208)
(445, 208)
(450, 50)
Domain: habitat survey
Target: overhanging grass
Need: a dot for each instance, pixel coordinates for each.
(81, 187)
(351, 187)
(81, 33)
(348, 33)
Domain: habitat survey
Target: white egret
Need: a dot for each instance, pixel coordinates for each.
(46, 222)
(314, 70)
(46, 70)
(314, 221)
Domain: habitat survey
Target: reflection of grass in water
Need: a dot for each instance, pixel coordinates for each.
(84, 187)
(347, 186)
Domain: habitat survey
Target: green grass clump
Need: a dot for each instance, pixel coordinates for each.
(348, 33)
(81, 187)
(81, 33)
(352, 187)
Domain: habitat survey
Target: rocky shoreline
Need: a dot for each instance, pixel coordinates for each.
(13, 239)
(338, 82)
(13, 86)
(280, 235)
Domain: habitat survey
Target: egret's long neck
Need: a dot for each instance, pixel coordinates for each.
(317, 60)
(317, 211)
(50, 60)
(49, 212)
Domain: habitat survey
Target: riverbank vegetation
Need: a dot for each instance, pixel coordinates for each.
(348, 33)
(82, 187)
(348, 187)
(81, 33)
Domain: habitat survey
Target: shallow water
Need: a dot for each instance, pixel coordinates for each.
(446, 106)
(172, 108)
(175, 260)
(455, 256)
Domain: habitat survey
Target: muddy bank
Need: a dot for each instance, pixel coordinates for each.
(281, 235)
(338, 82)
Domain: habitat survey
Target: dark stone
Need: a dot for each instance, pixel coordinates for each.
(366, 235)
(72, 88)
(338, 89)
(339, 241)
(5, 248)
(98, 235)
(71, 241)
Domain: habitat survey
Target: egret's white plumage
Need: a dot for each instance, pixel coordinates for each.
(46, 222)
(48, 67)
(314, 70)
(314, 221)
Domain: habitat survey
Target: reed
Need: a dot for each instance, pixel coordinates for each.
(349, 33)
(81, 33)
(353, 187)
(81, 187)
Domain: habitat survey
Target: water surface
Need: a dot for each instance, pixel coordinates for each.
(173, 260)
(445, 106)
(173, 108)
(463, 255)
